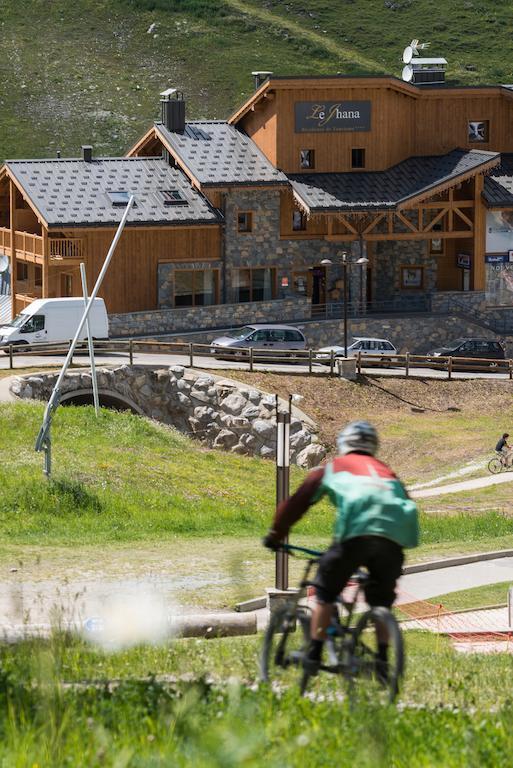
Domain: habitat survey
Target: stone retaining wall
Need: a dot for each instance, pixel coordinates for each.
(217, 411)
(417, 334)
(166, 321)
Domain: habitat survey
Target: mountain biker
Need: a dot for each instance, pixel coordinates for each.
(375, 520)
(504, 449)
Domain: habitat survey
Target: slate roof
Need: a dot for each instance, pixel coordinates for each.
(498, 186)
(216, 154)
(384, 190)
(74, 193)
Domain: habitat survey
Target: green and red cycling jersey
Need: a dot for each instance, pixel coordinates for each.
(368, 497)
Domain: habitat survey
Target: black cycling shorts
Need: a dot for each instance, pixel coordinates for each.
(382, 557)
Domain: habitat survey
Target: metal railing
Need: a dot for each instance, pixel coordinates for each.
(334, 310)
(317, 362)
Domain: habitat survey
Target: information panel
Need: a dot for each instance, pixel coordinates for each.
(316, 116)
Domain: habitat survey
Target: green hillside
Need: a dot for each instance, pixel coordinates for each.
(90, 72)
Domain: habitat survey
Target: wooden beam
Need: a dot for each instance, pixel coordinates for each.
(12, 202)
(463, 217)
(478, 261)
(346, 224)
(407, 223)
(46, 264)
(433, 222)
(373, 223)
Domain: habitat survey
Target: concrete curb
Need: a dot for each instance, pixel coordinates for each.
(449, 562)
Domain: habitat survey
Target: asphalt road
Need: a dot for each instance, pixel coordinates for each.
(156, 359)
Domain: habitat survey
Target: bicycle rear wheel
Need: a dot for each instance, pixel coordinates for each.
(495, 466)
(286, 641)
(375, 626)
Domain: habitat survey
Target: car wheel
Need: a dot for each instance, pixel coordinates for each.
(386, 362)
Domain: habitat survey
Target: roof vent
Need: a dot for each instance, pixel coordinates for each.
(259, 77)
(173, 110)
(87, 153)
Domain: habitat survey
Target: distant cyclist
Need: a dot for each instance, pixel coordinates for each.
(375, 520)
(504, 449)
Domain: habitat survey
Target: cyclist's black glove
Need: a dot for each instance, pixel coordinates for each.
(271, 541)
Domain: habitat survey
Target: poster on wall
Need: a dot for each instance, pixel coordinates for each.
(499, 231)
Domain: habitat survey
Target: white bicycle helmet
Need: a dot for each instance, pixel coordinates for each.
(358, 437)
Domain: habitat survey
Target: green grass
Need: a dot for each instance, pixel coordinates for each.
(489, 594)
(95, 74)
(454, 710)
(122, 478)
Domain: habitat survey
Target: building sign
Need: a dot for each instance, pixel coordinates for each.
(318, 116)
(497, 258)
(463, 260)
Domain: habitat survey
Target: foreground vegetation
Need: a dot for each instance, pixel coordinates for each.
(96, 73)
(60, 706)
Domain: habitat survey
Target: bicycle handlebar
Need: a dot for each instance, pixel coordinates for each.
(290, 549)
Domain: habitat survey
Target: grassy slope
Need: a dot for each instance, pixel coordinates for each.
(95, 74)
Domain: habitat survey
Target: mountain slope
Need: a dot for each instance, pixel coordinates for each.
(90, 72)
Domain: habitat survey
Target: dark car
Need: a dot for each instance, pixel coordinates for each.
(476, 349)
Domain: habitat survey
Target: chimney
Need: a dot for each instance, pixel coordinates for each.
(259, 77)
(87, 153)
(173, 110)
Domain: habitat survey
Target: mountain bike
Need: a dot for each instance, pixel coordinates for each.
(351, 638)
(498, 464)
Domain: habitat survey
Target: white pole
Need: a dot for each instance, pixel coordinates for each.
(90, 344)
(43, 441)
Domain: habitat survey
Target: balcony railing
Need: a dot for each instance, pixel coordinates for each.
(65, 248)
(5, 240)
(28, 244)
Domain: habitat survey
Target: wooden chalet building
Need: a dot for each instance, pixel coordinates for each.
(417, 179)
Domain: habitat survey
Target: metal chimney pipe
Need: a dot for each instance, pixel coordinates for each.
(87, 153)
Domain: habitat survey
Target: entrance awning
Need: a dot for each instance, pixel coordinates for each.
(414, 179)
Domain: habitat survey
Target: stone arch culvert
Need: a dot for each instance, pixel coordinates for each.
(220, 412)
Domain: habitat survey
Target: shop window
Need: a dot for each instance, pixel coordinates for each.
(253, 284)
(66, 285)
(195, 287)
(21, 271)
(307, 158)
(38, 276)
(298, 221)
(357, 158)
(478, 131)
(245, 221)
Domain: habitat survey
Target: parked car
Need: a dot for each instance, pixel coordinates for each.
(382, 349)
(278, 337)
(476, 349)
(54, 320)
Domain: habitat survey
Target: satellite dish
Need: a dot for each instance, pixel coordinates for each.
(4, 263)
(407, 54)
(407, 74)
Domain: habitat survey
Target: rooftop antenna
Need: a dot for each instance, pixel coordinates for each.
(422, 71)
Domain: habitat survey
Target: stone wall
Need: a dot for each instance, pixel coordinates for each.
(167, 321)
(413, 333)
(219, 412)
(387, 262)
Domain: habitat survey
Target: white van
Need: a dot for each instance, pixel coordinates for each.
(54, 320)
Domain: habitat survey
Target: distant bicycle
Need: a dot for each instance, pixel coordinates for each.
(498, 464)
(352, 642)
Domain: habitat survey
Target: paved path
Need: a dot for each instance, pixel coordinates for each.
(429, 584)
(464, 485)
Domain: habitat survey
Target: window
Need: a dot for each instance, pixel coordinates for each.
(255, 284)
(357, 158)
(478, 131)
(38, 276)
(298, 221)
(35, 323)
(245, 221)
(307, 158)
(260, 336)
(66, 285)
(294, 336)
(173, 197)
(119, 199)
(195, 287)
(21, 271)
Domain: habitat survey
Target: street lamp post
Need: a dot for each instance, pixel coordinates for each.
(362, 261)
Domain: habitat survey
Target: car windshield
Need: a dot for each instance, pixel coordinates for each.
(240, 333)
(455, 343)
(18, 321)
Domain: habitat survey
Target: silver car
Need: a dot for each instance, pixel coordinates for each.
(260, 337)
(382, 349)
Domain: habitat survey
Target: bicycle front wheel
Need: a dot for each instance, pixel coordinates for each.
(495, 466)
(286, 641)
(378, 627)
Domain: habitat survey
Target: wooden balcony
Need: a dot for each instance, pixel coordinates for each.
(30, 247)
